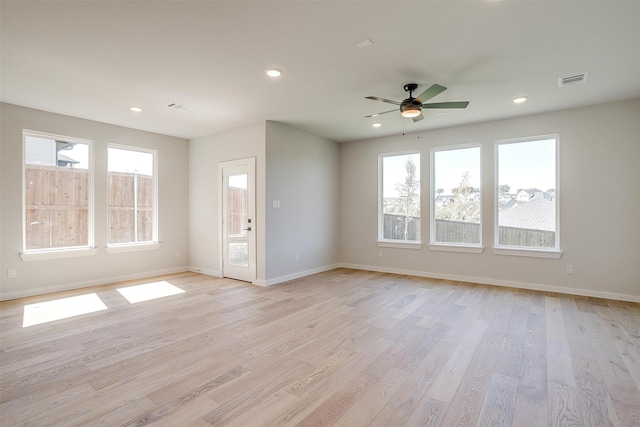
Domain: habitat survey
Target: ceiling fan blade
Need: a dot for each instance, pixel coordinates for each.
(376, 98)
(417, 119)
(433, 90)
(377, 114)
(459, 104)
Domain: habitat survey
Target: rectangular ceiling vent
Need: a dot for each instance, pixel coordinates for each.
(572, 80)
(178, 107)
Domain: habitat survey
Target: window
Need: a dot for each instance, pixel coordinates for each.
(456, 196)
(132, 196)
(399, 198)
(527, 194)
(58, 212)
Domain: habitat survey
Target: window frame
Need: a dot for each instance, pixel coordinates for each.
(148, 244)
(390, 243)
(526, 251)
(449, 246)
(67, 251)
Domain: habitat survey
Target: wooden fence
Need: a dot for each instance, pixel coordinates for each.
(457, 232)
(57, 207)
(130, 207)
(237, 202)
(513, 236)
(395, 225)
(466, 232)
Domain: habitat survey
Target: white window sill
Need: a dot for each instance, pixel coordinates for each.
(132, 247)
(456, 248)
(534, 253)
(399, 244)
(57, 254)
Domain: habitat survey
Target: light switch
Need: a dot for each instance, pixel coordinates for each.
(276, 204)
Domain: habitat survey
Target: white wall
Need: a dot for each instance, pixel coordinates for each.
(205, 155)
(599, 204)
(303, 175)
(35, 277)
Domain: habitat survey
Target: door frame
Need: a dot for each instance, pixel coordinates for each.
(250, 164)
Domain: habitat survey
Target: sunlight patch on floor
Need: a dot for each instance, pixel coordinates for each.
(149, 291)
(48, 311)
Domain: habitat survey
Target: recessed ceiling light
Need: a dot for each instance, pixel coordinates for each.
(376, 125)
(273, 72)
(364, 43)
(136, 109)
(520, 100)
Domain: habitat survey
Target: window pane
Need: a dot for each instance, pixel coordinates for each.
(456, 175)
(527, 194)
(401, 197)
(131, 194)
(56, 193)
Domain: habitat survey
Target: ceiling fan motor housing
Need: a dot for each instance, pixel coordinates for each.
(410, 104)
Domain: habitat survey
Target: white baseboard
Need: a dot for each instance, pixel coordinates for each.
(89, 283)
(498, 282)
(293, 276)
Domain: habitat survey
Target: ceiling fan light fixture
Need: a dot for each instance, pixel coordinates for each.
(520, 100)
(410, 112)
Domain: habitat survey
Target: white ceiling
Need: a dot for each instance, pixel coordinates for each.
(96, 59)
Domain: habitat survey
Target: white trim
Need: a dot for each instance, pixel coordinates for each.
(58, 253)
(294, 276)
(444, 247)
(247, 164)
(527, 252)
(381, 156)
(496, 184)
(89, 283)
(156, 209)
(90, 192)
(400, 244)
(498, 282)
(132, 247)
(432, 193)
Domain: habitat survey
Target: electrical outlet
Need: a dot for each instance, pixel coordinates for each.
(11, 273)
(297, 258)
(569, 269)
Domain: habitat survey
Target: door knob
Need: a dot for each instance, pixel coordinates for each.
(247, 229)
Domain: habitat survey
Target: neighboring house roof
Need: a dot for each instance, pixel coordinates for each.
(66, 159)
(538, 214)
(508, 204)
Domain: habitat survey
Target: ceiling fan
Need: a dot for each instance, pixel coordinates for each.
(412, 107)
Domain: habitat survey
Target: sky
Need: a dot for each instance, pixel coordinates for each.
(450, 165)
(527, 165)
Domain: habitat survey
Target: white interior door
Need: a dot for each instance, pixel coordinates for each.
(238, 219)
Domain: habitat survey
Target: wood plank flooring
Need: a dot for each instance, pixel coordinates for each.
(341, 348)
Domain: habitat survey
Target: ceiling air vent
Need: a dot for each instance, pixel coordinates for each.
(178, 107)
(572, 80)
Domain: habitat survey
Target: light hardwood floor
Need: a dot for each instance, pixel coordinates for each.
(342, 348)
